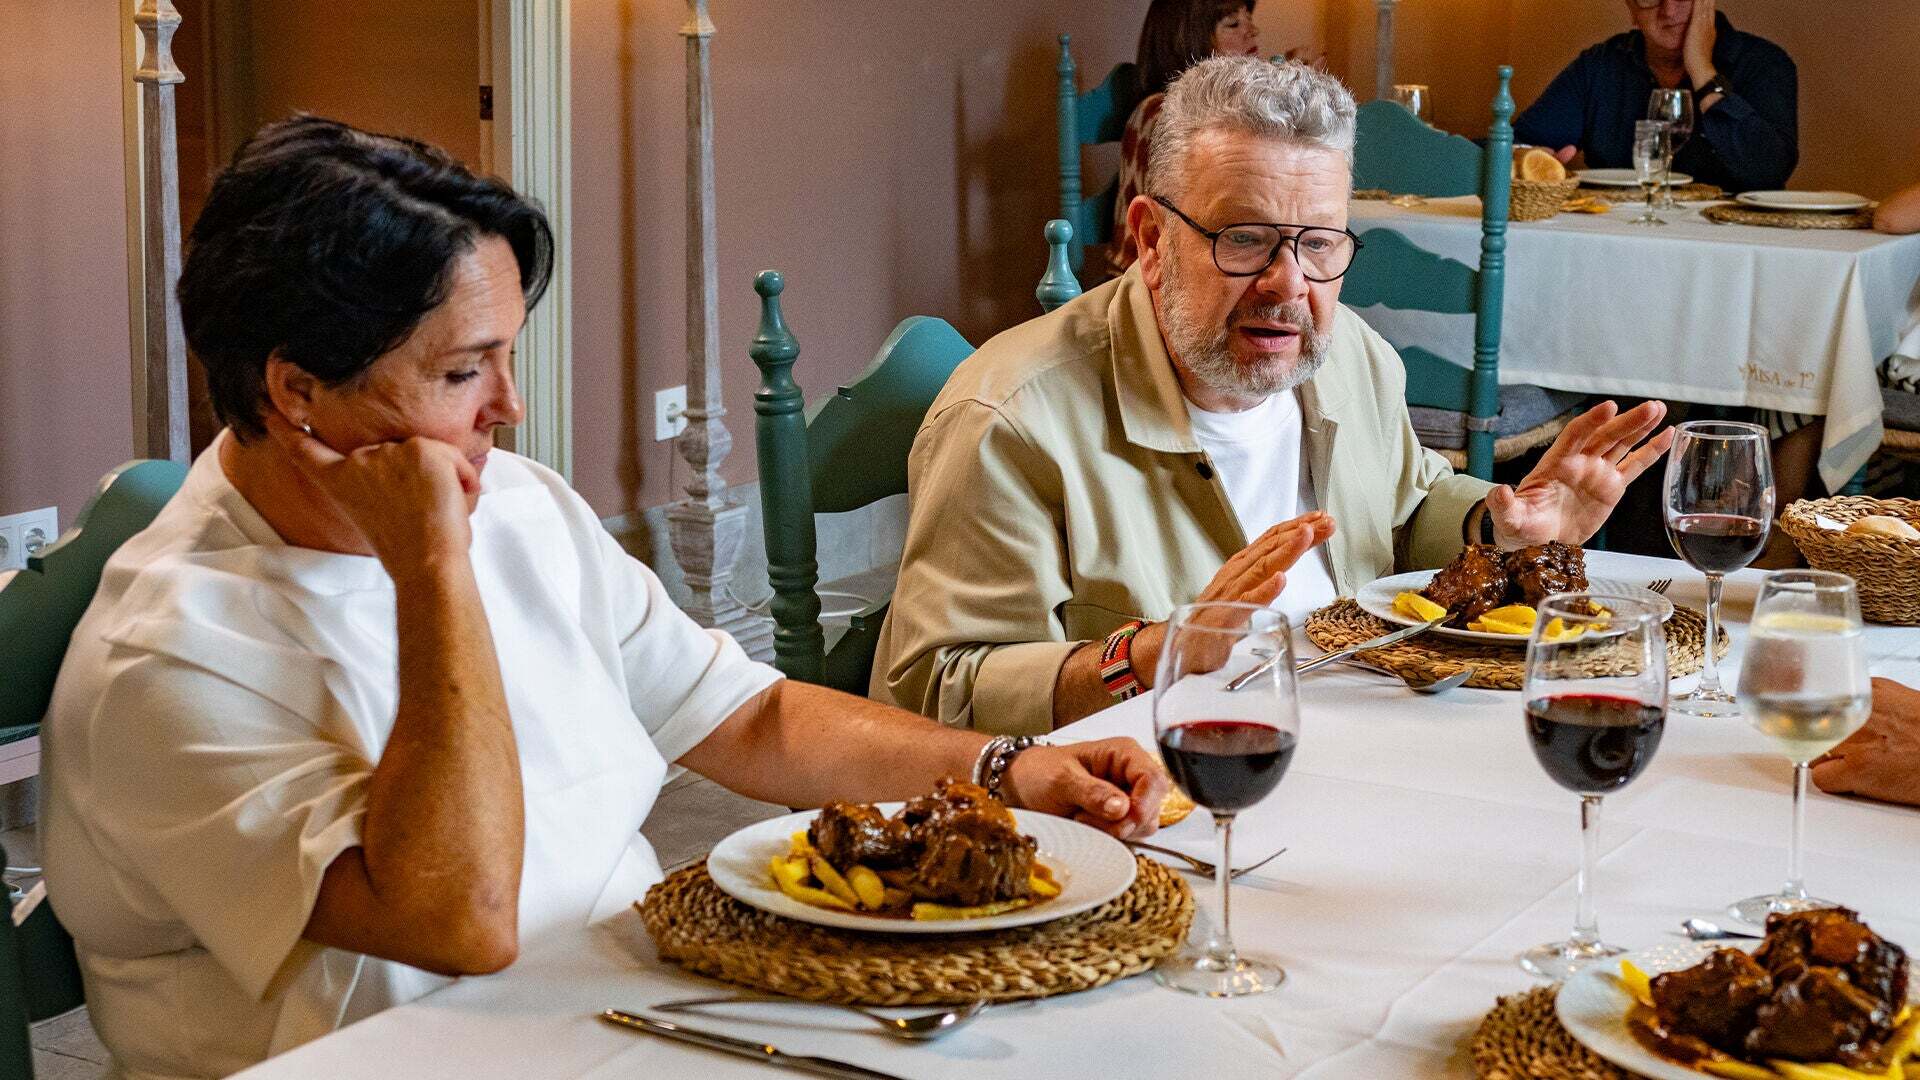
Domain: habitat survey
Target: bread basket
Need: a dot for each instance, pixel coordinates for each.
(1886, 569)
(1537, 200)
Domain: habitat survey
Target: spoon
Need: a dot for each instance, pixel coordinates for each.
(1435, 686)
(1702, 930)
(921, 1028)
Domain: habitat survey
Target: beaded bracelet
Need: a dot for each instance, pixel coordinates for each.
(1116, 662)
(990, 768)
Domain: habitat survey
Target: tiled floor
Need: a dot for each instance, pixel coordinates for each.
(692, 814)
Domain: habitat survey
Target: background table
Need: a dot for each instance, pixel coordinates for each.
(1786, 319)
(1426, 849)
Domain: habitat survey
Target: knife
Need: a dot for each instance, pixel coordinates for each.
(1380, 642)
(763, 1052)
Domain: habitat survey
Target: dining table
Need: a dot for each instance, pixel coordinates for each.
(1425, 849)
(1795, 320)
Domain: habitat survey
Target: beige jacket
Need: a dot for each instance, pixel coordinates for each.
(1057, 491)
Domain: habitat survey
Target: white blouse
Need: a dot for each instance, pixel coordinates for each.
(221, 710)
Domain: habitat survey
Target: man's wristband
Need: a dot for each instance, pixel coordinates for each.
(1478, 526)
(1116, 662)
(1714, 85)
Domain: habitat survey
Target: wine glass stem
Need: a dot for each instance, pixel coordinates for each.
(1795, 886)
(1586, 925)
(1220, 945)
(1709, 665)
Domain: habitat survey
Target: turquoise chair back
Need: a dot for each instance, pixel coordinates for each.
(1097, 116)
(844, 453)
(1399, 153)
(39, 979)
(40, 606)
(1057, 284)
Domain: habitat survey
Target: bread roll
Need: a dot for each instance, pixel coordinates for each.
(1884, 525)
(1176, 807)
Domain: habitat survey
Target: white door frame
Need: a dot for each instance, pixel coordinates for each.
(526, 48)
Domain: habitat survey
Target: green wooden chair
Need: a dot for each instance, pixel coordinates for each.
(1097, 116)
(40, 605)
(1057, 284)
(1458, 405)
(844, 453)
(39, 980)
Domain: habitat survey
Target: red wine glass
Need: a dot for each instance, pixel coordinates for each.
(1596, 702)
(1718, 508)
(1227, 749)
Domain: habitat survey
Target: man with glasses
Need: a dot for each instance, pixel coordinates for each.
(1085, 473)
(1745, 96)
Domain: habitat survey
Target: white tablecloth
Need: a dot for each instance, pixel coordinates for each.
(1426, 849)
(1714, 314)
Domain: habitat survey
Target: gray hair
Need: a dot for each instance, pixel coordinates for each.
(1247, 95)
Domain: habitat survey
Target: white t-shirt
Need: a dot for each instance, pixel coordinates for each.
(222, 707)
(1259, 456)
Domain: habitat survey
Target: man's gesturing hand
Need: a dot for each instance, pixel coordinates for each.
(1568, 496)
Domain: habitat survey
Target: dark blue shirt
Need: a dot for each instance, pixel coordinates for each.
(1749, 140)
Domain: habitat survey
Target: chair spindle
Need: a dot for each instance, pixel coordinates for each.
(786, 490)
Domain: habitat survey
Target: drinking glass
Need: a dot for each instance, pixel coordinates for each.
(1804, 686)
(1227, 750)
(1675, 107)
(1416, 99)
(1650, 156)
(1718, 508)
(1596, 704)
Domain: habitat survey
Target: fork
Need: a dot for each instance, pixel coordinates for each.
(1202, 866)
(1660, 586)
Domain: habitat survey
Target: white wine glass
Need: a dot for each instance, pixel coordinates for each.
(1596, 701)
(1804, 685)
(1718, 510)
(1227, 749)
(1650, 163)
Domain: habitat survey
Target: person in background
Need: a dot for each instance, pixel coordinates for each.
(1745, 90)
(1882, 759)
(1900, 213)
(1176, 34)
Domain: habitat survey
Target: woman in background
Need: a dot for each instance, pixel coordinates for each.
(1177, 33)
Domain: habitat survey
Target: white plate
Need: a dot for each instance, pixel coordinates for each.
(1802, 200)
(1091, 867)
(1624, 178)
(1593, 1007)
(1376, 598)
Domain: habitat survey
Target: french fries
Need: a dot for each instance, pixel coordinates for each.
(1637, 982)
(804, 874)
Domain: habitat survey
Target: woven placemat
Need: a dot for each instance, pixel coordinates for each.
(703, 929)
(1683, 193)
(1730, 214)
(1495, 667)
(1522, 1039)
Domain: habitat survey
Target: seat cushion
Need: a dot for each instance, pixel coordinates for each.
(1522, 408)
(1899, 409)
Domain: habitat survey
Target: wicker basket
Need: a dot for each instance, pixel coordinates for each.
(1537, 200)
(1886, 569)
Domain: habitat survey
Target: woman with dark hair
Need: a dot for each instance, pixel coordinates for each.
(1176, 34)
(372, 704)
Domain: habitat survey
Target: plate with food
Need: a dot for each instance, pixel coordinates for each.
(955, 861)
(1821, 998)
(1628, 178)
(1493, 596)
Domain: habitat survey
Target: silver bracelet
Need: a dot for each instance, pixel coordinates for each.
(990, 768)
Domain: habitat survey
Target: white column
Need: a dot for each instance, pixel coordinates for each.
(1383, 50)
(160, 375)
(708, 527)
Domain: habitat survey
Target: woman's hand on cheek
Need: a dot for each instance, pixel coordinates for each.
(410, 500)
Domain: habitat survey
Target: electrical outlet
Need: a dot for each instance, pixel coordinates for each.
(25, 534)
(669, 413)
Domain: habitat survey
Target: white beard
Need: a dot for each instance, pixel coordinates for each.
(1203, 349)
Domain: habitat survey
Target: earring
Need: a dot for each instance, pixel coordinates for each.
(308, 428)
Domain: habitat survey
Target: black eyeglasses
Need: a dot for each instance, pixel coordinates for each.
(1248, 248)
